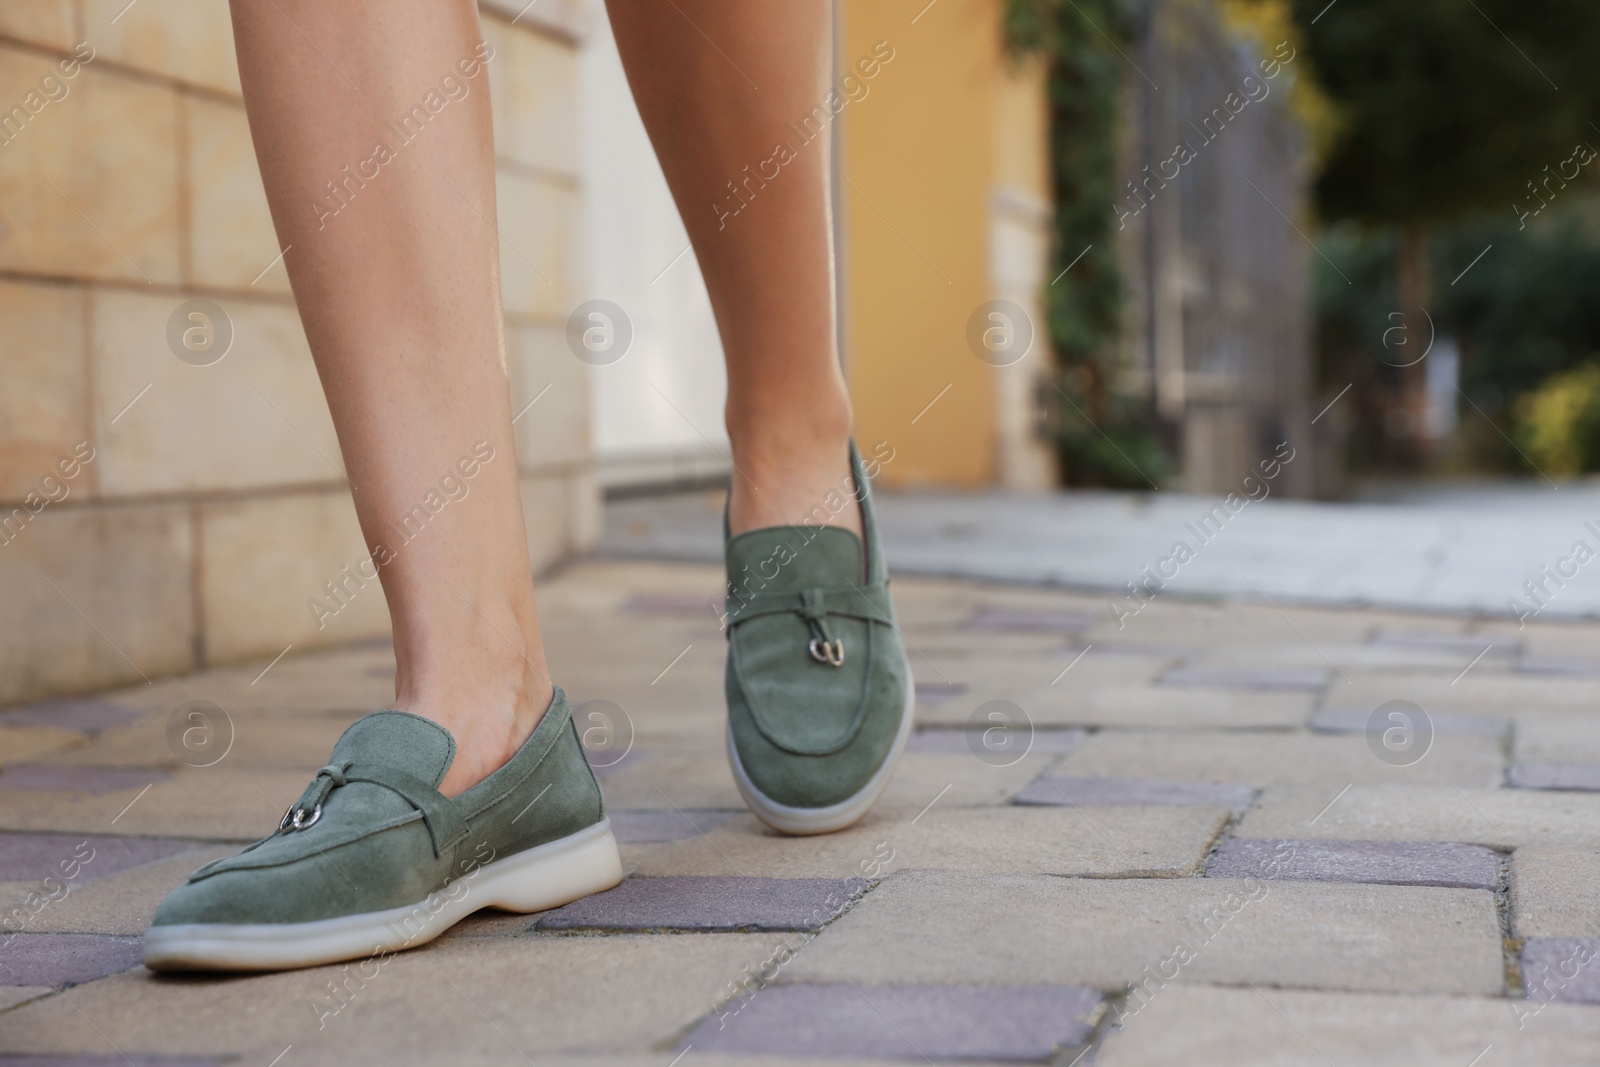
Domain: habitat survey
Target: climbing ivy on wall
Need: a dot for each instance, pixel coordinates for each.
(1105, 437)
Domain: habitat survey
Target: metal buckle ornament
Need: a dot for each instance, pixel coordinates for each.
(297, 818)
(829, 652)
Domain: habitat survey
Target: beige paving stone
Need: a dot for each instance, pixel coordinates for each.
(534, 82)
(545, 373)
(255, 418)
(1347, 656)
(1054, 684)
(694, 778)
(540, 995)
(1555, 891)
(954, 780)
(43, 409)
(244, 737)
(1523, 695)
(30, 742)
(1154, 706)
(231, 239)
(195, 47)
(1187, 1023)
(121, 904)
(536, 220)
(109, 147)
(44, 22)
(212, 803)
(266, 562)
(357, 678)
(109, 618)
(1468, 760)
(1497, 818)
(938, 926)
(1558, 737)
(11, 996)
(1106, 843)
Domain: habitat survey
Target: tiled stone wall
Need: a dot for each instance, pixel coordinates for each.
(212, 509)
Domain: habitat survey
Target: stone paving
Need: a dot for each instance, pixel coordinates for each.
(1225, 833)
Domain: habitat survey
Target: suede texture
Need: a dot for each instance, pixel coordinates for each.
(811, 734)
(380, 846)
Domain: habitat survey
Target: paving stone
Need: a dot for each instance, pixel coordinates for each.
(12, 995)
(1124, 705)
(537, 995)
(86, 714)
(709, 903)
(939, 926)
(63, 778)
(1495, 818)
(32, 857)
(1024, 620)
(1274, 758)
(1225, 676)
(1555, 891)
(1092, 792)
(119, 905)
(133, 1058)
(23, 742)
(1471, 644)
(1264, 1027)
(935, 693)
(1040, 684)
(1376, 862)
(1344, 720)
(919, 1022)
(1570, 738)
(954, 742)
(1561, 969)
(646, 826)
(64, 959)
(1549, 774)
(1120, 842)
(694, 605)
(1566, 666)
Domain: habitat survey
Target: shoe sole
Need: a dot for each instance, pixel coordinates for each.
(536, 879)
(804, 822)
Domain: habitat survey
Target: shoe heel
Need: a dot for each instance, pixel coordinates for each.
(557, 873)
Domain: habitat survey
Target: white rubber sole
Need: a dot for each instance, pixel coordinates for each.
(536, 879)
(803, 822)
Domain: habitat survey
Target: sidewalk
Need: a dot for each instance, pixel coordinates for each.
(1177, 841)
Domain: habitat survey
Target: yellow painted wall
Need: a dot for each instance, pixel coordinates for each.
(918, 161)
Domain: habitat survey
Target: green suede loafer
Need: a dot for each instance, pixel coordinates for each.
(373, 859)
(819, 691)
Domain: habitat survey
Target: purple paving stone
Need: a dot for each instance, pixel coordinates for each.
(1444, 864)
(913, 1022)
(1090, 792)
(1022, 620)
(932, 694)
(1354, 721)
(1567, 666)
(131, 1059)
(63, 778)
(1561, 969)
(1224, 676)
(64, 959)
(1443, 641)
(648, 826)
(1548, 774)
(960, 742)
(706, 604)
(85, 858)
(719, 903)
(90, 715)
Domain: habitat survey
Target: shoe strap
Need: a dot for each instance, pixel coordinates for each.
(870, 602)
(445, 826)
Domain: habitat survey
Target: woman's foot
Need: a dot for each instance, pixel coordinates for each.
(819, 691)
(373, 859)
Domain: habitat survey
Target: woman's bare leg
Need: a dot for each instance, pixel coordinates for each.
(399, 293)
(717, 84)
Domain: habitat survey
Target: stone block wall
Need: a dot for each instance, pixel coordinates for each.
(157, 516)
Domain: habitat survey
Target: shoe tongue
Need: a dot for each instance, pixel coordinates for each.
(787, 559)
(398, 739)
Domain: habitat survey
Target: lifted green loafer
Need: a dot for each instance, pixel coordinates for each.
(372, 859)
(819, 691)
